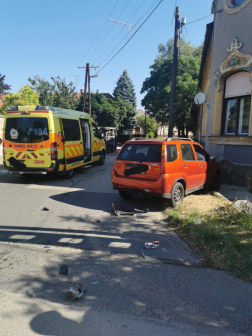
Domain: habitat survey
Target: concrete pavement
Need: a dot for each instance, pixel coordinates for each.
(126, 293)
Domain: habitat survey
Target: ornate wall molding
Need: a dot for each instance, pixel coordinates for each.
(235, 61)
(230, 8)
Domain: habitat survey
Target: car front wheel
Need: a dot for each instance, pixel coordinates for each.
(177, 194)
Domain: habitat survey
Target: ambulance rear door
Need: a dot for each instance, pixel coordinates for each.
(27, 141)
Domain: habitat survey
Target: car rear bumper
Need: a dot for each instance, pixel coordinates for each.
(160, 188)
(144, 192)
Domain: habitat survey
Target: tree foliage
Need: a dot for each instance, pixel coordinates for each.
(158, 86)
(108, 112)
(24, 97)
(4, 88)
(57, 93)
(151, 125)
(125, 88)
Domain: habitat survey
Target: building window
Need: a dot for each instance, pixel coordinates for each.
(237, 104)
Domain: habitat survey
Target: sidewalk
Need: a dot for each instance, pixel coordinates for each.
(233, 192)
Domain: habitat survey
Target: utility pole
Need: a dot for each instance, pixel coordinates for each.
(89, 93)
(174, 70)
(87, 79)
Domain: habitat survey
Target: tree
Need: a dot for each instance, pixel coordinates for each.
(125, 88)
(28, 96)
(158, 86)
(108, 112)
(4, 88)
(24, 97)
(58, 94)
(151, 125)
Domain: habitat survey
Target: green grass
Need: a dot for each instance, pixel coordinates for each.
(224, 238)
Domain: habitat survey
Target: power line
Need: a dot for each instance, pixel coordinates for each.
(131, 37)
(119, 32)
(128, 33)
(99, 32)
(198, 19)
(110, 29)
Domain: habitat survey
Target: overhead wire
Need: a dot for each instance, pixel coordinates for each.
(130, 37)
(99, 32)
(198, 19)
(110, 29)
(146, 12)
(119, 32)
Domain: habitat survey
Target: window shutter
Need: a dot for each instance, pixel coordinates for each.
(238, 85)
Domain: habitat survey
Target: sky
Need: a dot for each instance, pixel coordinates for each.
(52, 38)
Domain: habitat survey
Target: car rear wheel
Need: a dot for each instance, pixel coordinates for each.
(125, 194)
(177, 194)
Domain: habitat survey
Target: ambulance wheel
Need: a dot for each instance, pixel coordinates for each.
(102, 158)
(68, 174)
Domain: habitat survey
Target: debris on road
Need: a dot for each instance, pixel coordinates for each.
(198, 222)
(95, 283)
(75, 293)
(152, 245)
(63, 269)
(122, 213)
(47, 246)
(45, 209)
(31, 293)
(244, 205)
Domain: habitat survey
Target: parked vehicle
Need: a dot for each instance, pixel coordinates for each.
(43, 139)
(170, 168)
(109, 134)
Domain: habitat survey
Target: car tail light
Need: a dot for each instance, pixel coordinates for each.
(54, 151)
(163, 159)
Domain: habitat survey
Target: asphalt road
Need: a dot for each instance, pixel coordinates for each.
(129, 291)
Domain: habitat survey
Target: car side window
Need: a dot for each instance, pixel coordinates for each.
(187, 152)
(95, 131)
(201, 154)
(172, 153)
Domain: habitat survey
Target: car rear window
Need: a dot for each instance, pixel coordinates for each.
(26, 130)
(141, 152)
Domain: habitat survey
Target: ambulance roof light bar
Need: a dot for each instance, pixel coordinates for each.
(44, 108)
(13, 108)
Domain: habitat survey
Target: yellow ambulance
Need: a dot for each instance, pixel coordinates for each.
(43, 139)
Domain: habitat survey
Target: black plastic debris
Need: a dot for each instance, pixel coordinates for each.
(75, 293)
(45, 209)
(122, 213)
(63, 269)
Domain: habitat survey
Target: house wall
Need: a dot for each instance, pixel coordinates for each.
(233, 152)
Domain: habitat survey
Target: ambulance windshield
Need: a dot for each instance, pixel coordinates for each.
(26, 130)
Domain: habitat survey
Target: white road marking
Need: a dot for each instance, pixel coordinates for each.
(47, 187)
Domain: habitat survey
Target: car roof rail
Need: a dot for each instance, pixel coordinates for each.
(181, 139)
(133, 139)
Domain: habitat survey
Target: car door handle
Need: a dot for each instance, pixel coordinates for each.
(185, 165)
(94, 141)
(201, 165)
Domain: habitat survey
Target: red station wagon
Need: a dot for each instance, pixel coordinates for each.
(170, 168)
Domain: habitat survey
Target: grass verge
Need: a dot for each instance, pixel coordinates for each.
(222, 235)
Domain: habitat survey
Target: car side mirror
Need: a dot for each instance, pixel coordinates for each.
(211, 157)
